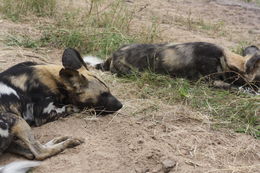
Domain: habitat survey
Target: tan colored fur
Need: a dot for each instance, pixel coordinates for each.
(19, 81)
(49, 74)
(173, 60)
(235, 60)
(95, 86)
(238, 61)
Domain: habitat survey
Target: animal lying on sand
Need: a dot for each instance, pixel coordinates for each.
(189, 60)
(33, 94)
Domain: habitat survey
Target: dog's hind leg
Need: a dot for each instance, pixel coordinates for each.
(23, 132)
(18, 147)
(6, 136)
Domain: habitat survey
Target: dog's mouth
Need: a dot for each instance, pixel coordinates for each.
(102, 110)
(106, 104)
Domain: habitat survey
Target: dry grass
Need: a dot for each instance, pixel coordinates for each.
(99, 29)
(15, 10)
(198, 24)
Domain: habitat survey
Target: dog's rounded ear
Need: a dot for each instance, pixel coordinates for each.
(72, 59)
(250, 50)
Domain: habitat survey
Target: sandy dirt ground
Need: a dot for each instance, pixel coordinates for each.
(148, 135)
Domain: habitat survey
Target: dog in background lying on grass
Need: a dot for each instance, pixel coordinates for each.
(34, 94)
(189, 60)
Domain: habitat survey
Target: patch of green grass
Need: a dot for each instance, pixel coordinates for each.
(240, 47)
(255, 1)
(227, 108)
(195, 24)
(23, 41)
(99, 30)
(103, 44)
(150, 34)
(14, 9)
(55, 37)
(92, 31)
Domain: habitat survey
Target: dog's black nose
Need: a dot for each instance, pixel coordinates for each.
(118, 106)
(108, 104)
(113, 103)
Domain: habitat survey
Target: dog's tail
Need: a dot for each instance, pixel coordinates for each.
(98, 63)
(19, 167)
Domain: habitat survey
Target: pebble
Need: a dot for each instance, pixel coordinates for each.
(168, 165)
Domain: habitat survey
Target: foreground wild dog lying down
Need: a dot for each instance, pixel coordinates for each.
(34, 94)
(190, 60)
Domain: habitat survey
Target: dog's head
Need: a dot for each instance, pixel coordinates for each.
(252, 65)
(85, 89)
(252, 68)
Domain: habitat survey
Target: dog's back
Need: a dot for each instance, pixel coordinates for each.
(189, 60)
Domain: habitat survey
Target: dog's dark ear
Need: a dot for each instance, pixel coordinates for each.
(252, 63)
(250, 50)
(72, 59)
(73, 79)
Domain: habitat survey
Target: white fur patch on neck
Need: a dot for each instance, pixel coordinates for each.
(28, 113)
(52, 107)
(92, 60)
(6, 90)
(4, 133)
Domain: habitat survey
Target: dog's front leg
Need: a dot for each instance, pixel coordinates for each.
(50, 112)
(23, 132)
(18, 147)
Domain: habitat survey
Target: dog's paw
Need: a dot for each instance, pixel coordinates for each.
(29, 156)
(57, 141)
(72, 142)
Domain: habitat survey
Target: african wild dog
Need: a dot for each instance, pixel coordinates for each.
(34, 94)
(190, 60)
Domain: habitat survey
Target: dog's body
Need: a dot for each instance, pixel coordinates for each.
(190, 60)
(34, 94)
